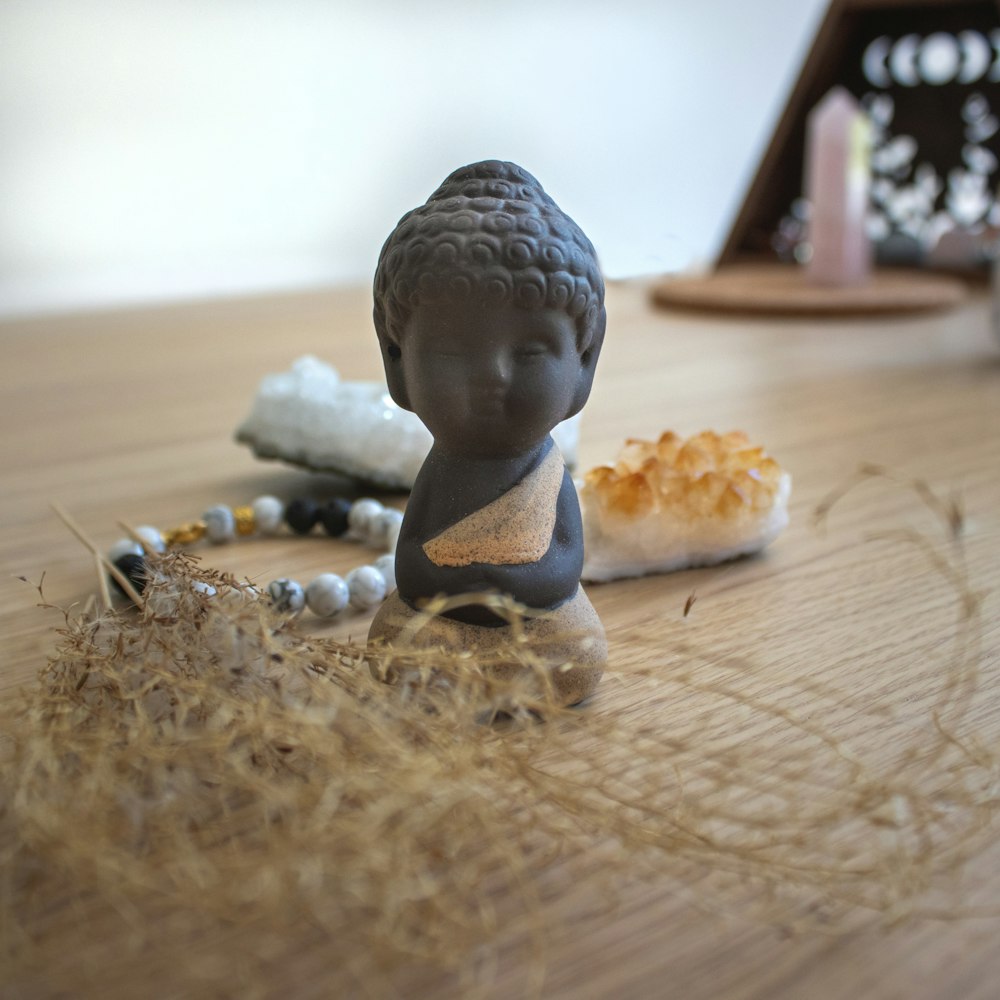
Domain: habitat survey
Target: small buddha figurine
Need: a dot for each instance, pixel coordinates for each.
(489, 309)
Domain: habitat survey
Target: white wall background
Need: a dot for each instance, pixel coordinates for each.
(185, 148)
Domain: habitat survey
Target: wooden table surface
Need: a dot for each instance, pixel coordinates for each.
(129, 415)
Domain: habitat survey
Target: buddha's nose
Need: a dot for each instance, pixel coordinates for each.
(494, 372)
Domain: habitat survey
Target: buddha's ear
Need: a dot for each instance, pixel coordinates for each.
(590, 351)
(392, 361)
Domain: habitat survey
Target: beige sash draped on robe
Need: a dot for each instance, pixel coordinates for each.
(514, 529)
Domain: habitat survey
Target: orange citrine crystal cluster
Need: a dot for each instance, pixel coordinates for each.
(707, 475)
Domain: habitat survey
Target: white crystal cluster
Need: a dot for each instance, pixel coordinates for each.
(309, 416)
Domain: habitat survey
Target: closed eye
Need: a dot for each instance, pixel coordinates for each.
(449, 351)
(533, 349)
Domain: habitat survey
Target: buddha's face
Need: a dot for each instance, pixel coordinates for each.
(490, 381)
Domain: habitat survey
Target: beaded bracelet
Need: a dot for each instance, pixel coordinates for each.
(365, 520)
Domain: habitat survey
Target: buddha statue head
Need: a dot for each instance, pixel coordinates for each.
(489, 309)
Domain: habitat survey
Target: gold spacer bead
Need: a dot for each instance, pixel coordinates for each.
(185, 534)
(246, 523)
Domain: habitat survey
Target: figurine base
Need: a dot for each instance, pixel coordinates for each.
(571, 634)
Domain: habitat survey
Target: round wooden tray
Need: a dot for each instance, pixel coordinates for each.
(782, 289)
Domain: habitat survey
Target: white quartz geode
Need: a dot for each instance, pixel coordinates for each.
(308, 416)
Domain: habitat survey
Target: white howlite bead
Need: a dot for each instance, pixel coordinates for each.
(286, 594)
(151, 538)
(382, 524)
(392, 536)
(386, 565)
(220, 525)
(366, 586)
(361, 515)
(268, 514)
(124, 547)
(327, 595)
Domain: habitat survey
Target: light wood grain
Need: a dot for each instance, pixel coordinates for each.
(129, 416)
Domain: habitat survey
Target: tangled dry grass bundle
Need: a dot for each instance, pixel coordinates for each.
(201, 777)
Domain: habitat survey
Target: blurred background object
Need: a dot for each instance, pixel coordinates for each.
(915, 187)
(154, 151)
(927, 72)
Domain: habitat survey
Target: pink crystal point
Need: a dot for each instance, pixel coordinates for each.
(838, 177)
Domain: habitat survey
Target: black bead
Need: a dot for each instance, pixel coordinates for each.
(133, 567)
(301, 515)
(333, 515)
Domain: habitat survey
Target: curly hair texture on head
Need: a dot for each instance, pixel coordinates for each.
(488, 231)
